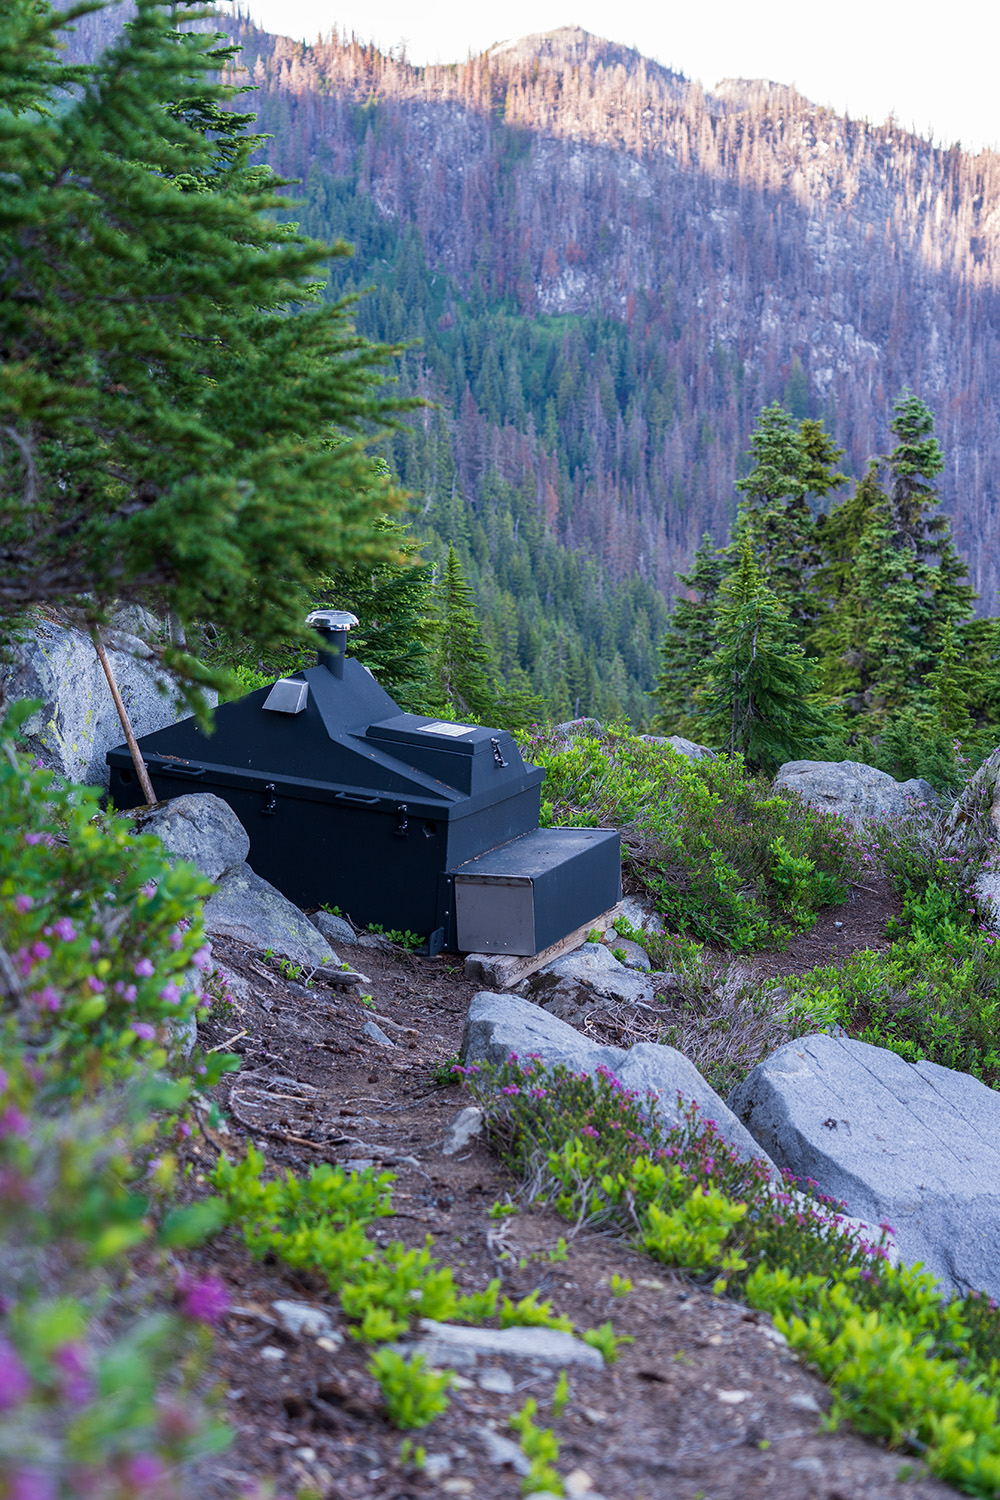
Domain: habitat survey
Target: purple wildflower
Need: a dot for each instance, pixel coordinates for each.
(31, 1484)
(144, 968)
(32, 839)
(40, 952)
(170, 994)
(143, 1470)
(143, 1030)
(13, 1122)
(63, 928)
(76, 1383)
(97, 985)
(203, 1299)
(23, 903)
(202, 959)
(14, 1380)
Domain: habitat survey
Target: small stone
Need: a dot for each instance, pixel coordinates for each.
(272, 1352)
(329, 1345)
(307, 1455)
(338, 932)
(802, 1401)
(436, 1465)
(733, 1398)
(465, 1127)
(375, 1034)
(457, 1486)
(499, 1381)
(303, 1321)
(550, 1344)
(808, 1466)
(503, 1451)
(635, 957)
(577, 1483)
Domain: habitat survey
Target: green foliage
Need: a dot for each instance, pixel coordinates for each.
(530, 1313)
(689, 643)
(905, 1362)
(413, 1394)
(606, 1341)
(760, 693)
(720, 855)
(541, 1447)
(318, 1224)
(172, 376)
(100, 948)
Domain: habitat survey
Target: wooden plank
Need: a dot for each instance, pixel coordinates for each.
(502, 971)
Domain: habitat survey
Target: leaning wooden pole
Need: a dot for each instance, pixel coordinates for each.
(133, 744)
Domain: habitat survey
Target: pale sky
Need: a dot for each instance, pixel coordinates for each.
(933, 65)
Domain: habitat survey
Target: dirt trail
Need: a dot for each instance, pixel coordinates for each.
(706, 1404)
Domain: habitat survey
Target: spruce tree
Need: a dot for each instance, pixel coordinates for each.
(689, 643)
(791, 461)
(760, 692)
(172, 376)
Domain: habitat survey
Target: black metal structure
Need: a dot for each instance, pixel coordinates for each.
(399, 819)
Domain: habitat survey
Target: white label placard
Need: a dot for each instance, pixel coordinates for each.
(439, 727)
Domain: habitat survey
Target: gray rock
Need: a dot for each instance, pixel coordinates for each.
(198, 827)
(498, 1025)
(303, 1321)
(498, 1380)
(641, 914)
(375, 1034)
(503, 1451)
(916, 1145)
(246, 907)
(590, 729)
(465, 1127)
(987, 890)
(132, 619)
(337, 932)
(77, 723)
(596, 967)
(635, 957)
(980, 796)
(853, 790)
(688, 748)
(545, 1345)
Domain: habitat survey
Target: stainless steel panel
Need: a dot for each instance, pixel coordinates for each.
(287, 696)
(496, 915)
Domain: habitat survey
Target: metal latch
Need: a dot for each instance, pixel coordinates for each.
(270, 806)
(497, 752)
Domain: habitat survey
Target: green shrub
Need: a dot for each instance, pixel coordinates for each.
(905, 1362)
(723, 858)
(101, 948)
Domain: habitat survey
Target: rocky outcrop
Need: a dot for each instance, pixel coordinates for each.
(853, 790)
(77, 723)
(979, 798)
(499, 1025)
(199, 828)
(914, 1145)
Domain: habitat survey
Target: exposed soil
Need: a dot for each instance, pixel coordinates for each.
(706, 1404)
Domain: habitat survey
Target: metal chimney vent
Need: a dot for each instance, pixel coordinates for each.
(287, 696)
(333, 625)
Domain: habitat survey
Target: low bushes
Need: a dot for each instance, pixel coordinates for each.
(100, 954)
(723, 857)
(904, 1362)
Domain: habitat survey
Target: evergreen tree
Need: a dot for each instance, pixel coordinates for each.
(392, 601)
(947, 687)
(760, 690)
(171, 374)
(689, 643)
(791, 461)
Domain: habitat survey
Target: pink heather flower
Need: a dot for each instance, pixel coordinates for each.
(23, 903)
(3, 1081)
(144, 968)
(46, 999)
(31, 1484)
(175, 940)
(170, 994)
(77, 1385)
(202, 959)
(40, 951)
(14, 1380)
(12, 1122)
(97, 985)
(143, 1470)
(64, 929)
(149, 889)
(184, 1128)
(22, 962)
(203, 1299)
(141, 1029)
(32, 839)
(95, 947)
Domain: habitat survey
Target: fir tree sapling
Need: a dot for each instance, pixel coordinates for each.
(689, 643)
(761, 687)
